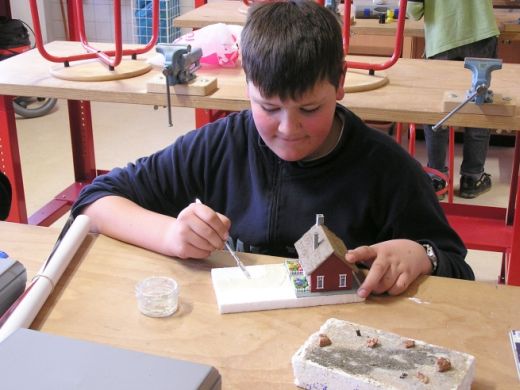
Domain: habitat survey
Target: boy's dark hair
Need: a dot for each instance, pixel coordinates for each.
(287, 47)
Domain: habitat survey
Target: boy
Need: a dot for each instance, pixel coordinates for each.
(263, 174)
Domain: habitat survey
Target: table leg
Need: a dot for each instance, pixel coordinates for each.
(512, 268)
(205, 116)
(82, 139)
(513, 190)
(10, 159)
(83, 156)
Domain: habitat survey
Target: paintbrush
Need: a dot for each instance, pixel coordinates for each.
(233, 253)
(239, 263)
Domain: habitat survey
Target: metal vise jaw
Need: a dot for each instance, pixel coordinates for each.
(481, 77)
(180, 62)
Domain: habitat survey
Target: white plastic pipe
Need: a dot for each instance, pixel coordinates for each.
(47, 278)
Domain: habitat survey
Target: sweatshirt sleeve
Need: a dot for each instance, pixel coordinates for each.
(430, 226)
(451, 262)
(170, 179)
(408, 208)
(149, 181)
(415, 9)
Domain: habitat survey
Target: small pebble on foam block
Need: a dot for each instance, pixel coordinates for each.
(344, 355)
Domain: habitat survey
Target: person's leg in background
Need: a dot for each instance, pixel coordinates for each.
(437, 141)
(474, 181)
(436, 145)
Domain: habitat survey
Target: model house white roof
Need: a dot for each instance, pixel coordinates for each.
(311, 256)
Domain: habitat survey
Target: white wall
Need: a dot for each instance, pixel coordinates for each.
(98, 16)
(99, 20)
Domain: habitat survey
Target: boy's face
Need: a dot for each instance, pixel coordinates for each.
(297, 129)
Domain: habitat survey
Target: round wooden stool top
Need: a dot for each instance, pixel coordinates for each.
(95, 70)
(359, 80)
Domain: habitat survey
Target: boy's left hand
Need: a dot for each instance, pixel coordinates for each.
(395, 264)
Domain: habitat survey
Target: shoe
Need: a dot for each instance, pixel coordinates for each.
(471, 188)
(438, 185)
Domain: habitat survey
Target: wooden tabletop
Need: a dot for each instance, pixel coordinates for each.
(415, 91)
(95, 301)
(508, 20)
(225, 11)
(234, 12)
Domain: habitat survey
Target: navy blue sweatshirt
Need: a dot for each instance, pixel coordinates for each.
(368, 188)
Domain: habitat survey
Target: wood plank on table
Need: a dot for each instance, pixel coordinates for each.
(235, 12)
(508, 20)
(31, 247)
(414, 93)
(95, 301)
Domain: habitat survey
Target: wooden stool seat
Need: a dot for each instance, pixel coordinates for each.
(94, 70)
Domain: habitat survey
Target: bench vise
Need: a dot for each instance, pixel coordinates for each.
(481, 77)
(479, 93)
(180, 64)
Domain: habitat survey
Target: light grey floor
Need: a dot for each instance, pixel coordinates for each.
(124, 132)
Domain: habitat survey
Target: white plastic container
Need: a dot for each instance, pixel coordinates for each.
(157, 296)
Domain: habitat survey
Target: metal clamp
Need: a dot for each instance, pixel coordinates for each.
(180, 64)
(479, 93)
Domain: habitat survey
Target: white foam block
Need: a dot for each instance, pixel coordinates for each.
(269, 288)
(349, 363)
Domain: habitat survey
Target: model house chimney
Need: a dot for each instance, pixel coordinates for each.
(320, 219)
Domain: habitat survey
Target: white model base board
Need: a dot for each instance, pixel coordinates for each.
(347, 361)
(269, 288)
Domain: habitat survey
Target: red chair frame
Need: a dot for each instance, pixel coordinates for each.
(112, 58)
(398, 47)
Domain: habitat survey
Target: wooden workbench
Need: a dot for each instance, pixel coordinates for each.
(369, 37)
(508, 21)
(234, 12)
(95, 301)
(426, 81)
(413, 95)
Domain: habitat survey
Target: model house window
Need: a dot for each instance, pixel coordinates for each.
(342, 280)
(320, 282)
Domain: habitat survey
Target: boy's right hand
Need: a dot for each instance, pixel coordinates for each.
(197, 231)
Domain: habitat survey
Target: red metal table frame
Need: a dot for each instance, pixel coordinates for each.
(80, 117)
(82, 142)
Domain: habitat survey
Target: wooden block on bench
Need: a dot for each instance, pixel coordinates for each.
(501, 105)
(199, 86)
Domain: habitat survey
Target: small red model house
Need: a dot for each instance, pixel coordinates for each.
(322, 257)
